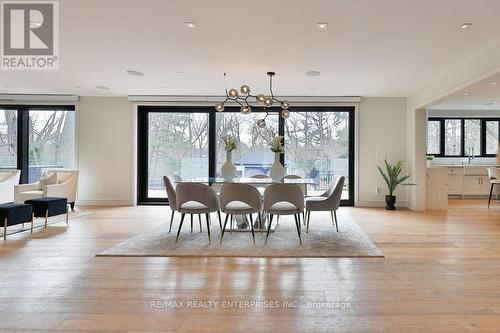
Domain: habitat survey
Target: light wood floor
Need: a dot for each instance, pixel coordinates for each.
(441, 274)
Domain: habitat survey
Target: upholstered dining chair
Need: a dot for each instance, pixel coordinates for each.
(240, 199)
(327, 202)
(494, 176)
(284, 199)
(171, 196)
(304, 187)
(196, 199)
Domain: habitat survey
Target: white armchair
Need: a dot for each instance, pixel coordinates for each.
(67, 181)
(8, 179)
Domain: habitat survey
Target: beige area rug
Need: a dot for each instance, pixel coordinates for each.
(322, 241)
(39, 222)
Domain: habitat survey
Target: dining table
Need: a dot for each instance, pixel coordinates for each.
(242, 224)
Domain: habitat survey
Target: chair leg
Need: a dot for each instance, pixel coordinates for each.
(171, 221)
(46, 218)
(5, 229)
(308, 216)
(32, 221)
(208, 226)
(297, 224)
(269, 227)
(220, 220)
(304, 218)
(199, 220)
(336, 222)
(191, 223)
(491, 192)
(260, 222)
(67, 214)
(331, 215)
(231, 225)
(180, 226)
(224, 228)
(251, 224)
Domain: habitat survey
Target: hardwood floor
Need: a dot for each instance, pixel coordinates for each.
(441, 274)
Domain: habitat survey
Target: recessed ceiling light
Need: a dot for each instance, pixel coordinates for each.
(467, 94)
(135, 73)
(313, 73)
(102, 87)
(466, 25)
(179, 72)
(163, 87)
(322, 25)
(78, 87)
(191, 25)
(493, 83)
(489, 103)
(8, 87)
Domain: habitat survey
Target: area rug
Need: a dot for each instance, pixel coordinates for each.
(322, 241)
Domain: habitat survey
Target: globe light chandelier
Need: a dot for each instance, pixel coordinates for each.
(242, 98)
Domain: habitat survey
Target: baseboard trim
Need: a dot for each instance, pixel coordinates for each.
(381, 203)
(104, 203)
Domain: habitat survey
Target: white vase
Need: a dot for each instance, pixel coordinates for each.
(228, 170)
(277, 171)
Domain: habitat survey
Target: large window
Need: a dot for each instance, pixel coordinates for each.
(434, 137)
(253, 155)
(8, 139)
(460, 137)
(34, 138)
(187, 141)
(317, 146)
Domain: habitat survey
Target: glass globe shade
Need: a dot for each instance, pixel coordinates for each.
(261, 123)
(245, 109)
(245, 89)
(233, 93)
(285, 105)
(285, 114)
(219, 107)
(268, 101)
(261, 98)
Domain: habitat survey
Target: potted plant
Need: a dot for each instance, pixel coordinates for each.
(429, 159)
(277, 171)
(228, 170)
(393, 180)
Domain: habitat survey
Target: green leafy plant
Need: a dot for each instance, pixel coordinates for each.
(392, 175)
(429, 157)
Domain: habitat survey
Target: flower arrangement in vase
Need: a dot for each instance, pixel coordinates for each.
(277, 171)
(228, 170)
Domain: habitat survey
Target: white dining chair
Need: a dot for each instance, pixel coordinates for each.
(172, 198)
(328, 201)
(304, 186)
(494, 176)
(240, 199)
(284, 199)
(196, 199)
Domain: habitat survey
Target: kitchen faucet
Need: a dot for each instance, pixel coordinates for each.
(471, 155)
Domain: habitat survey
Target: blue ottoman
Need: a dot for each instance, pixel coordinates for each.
(12, 214)
(49, 206)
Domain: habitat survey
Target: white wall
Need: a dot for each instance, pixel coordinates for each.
(382, 134)
(105, 150)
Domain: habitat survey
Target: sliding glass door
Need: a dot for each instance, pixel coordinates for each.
(187, 142)
(173, 143)
(317, 146)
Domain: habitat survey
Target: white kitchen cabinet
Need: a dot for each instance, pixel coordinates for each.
(455, 180)
(476, 185)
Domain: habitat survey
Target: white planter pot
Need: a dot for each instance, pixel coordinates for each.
(277, 171)
(429, 163)
(228, 170)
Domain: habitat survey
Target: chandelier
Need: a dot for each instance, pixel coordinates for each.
(262, 100)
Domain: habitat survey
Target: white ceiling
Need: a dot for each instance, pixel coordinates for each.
(482, 96)
(372, 47)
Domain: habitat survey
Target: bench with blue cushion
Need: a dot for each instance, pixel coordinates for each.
(49, 206)
(12, 214)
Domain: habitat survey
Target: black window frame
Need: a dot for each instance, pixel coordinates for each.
(463, 153)
(23, 123)
(142, 142)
